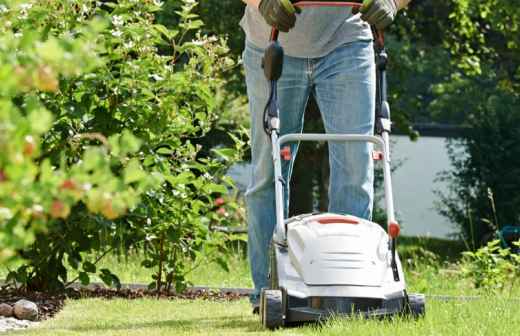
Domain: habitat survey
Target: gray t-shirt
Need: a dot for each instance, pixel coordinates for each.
(318, 31)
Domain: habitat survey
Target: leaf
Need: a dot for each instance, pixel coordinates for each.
(84, 278)
(152, 285)
(147, 263)
(215, 188)
(40, 120)
(222, 263)
(182, 178)
(109, 278)
(169, 34)
(225, 153)
(89, 267)
(134, 172)
(164, 151)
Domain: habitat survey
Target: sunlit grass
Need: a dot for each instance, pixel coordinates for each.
(488, 316)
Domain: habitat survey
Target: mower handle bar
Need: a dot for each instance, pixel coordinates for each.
(293, 137)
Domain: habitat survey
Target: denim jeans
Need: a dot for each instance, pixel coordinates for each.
(343, 84)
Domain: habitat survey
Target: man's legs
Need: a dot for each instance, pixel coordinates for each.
(344, 84)
(293, 92)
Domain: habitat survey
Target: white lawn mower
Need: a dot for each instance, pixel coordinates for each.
(330, 264)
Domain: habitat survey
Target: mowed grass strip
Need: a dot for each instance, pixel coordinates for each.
(487, 316)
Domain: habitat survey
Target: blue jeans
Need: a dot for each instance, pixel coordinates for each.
(343, 83)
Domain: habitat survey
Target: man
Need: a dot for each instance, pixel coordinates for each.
(329, 54)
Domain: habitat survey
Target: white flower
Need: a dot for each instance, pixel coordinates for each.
(5, 213)
(128, 45)
(3, 9)
(37, 208)
(117, 20)
(26, 6)
(117, 33)
(157, 77)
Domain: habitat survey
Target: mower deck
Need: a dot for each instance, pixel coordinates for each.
(279, 309)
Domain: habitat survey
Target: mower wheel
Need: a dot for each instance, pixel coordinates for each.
(417, 305)
(272, 308)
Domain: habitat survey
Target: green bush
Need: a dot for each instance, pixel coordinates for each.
(485, 88)
(37, 192)
(115, 164)
(492, 268)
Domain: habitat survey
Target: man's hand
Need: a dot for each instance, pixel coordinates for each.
(279, 13)
(381, 13)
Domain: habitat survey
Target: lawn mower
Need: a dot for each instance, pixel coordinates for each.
(327, 264)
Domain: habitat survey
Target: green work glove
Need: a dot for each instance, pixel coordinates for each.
(280, 14)
(379, 13)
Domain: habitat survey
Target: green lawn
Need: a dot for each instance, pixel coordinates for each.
(149, 317)
(430, 267)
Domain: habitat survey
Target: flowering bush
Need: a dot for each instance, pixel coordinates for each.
(100, 111)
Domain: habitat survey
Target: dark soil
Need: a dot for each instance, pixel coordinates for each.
(51, 303)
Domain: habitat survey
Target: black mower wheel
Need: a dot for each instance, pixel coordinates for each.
(272, 308)
(417, 305)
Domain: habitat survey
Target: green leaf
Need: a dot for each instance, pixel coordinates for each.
(147, 263)
(164, 151)
(222, 263)
(109, 278)
(215, 188)
(84, 278)
(134, 172)
(225, 153)
(169, 34)
(89, 267)
(40, 120)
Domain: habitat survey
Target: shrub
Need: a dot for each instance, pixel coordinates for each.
(129, 99)
(492, 268)
(484, 180)
(484, 85)
(37, 193)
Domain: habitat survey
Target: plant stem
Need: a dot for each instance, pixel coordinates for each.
(98, 259)
(161, 261)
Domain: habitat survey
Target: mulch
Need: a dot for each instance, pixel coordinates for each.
(51, 303)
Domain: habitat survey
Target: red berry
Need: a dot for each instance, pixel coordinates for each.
(29, 146)
(219, 201)
(59, 209)
(109, 211)
(68, 185)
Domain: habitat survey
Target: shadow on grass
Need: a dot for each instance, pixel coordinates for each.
(235, 324)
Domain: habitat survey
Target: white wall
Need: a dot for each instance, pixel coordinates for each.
(414, 185)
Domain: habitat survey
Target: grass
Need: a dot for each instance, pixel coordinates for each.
(490, 316)
(430, 269)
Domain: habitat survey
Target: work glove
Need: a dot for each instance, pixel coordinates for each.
(280, 14)
(380, 13)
